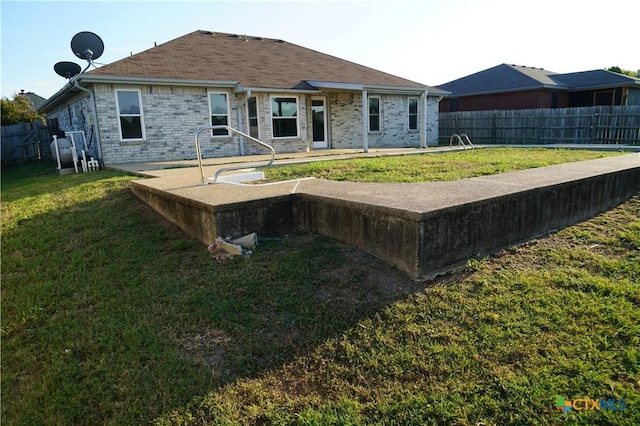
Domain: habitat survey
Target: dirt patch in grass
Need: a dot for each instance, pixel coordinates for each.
(363, 278)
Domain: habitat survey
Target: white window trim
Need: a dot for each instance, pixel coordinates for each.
(297, 117)
(144, 134)
(226, 94)
(257, 116)
(417, 99)
(379, 98)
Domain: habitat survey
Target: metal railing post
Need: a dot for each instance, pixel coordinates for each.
(224, 169)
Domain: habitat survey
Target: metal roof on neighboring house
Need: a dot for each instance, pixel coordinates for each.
(511, 78)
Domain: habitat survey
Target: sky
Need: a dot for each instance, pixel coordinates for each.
(428, 41)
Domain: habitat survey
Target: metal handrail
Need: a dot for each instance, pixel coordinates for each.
(464, 136)
(224, 169)
(460, 140)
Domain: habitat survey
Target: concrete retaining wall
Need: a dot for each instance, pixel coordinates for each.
(419, 228)
(454, 234)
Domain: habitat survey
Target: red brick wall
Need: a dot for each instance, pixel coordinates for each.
(506, 101)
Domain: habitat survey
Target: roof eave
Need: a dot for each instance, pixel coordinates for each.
(60, 95)
(70, 87)
(118, 79)
(240, 88)
(382, 89)
(511, 90)
(605, 86)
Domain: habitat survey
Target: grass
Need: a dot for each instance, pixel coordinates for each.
(112, 316)
(439, 167)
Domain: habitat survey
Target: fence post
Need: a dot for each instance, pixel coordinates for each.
(493, 129)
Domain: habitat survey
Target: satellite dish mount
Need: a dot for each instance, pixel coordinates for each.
(88, 46)
(85, 45)
(67, 69)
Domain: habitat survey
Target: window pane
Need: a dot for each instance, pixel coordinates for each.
(413, 106)
(131, 127)
(128, 102)
(374, 123)
(253, 127)
(284, 107)
(413, 114)
(413, 122)
(219, 120)
(218, 103)
(374, 106)
(252, 105)
(285, 127)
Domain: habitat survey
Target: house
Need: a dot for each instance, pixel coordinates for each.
(510, 87)
(147, 107)
(35, 101)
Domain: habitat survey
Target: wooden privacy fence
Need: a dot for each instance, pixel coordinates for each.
(585, 125)
(25, 142)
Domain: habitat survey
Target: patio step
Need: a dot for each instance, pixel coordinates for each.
(240, 177)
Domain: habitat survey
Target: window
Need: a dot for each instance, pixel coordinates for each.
(284, 114)
(129, 107)
(219, 113)
(454, 105)
(413, 113)
(374, 114)
(252, 113)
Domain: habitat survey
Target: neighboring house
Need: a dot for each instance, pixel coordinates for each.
(508, 87)
(147, 107)
(36, 101)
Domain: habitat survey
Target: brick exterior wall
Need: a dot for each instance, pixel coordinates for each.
(432, 120)
(77, 116)
(172, 114)
(346, 120)
(529, 99)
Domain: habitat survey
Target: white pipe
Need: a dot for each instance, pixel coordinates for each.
(55, 144)
(74, 153)
(365, 121)
(242, 104)
(94, 113)
(423, 127)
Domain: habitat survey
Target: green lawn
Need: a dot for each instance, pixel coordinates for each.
(436, 167)
(112, 316)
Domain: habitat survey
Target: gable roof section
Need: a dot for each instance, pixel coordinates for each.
(501, 78)
(252, 62)
(511, 78)
(588, 80)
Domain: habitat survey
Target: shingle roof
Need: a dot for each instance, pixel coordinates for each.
(595, 79)
(508, 78)
(251, 61)
(500, 78)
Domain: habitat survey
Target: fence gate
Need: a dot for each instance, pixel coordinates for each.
(26, 142)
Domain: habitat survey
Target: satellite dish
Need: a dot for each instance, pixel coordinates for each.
(66, 69)
(87, 45)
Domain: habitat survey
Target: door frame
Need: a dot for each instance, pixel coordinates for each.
(321, 144)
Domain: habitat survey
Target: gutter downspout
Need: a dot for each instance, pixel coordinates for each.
(423, 128)
(242, 104)
(95, 119)
(365, 121)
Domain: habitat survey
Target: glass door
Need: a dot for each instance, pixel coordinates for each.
(319, 122)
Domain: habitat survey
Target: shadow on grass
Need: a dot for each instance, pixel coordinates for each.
(111, 315)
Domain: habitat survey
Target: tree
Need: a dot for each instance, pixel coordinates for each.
(619, 70)
(18, 110)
